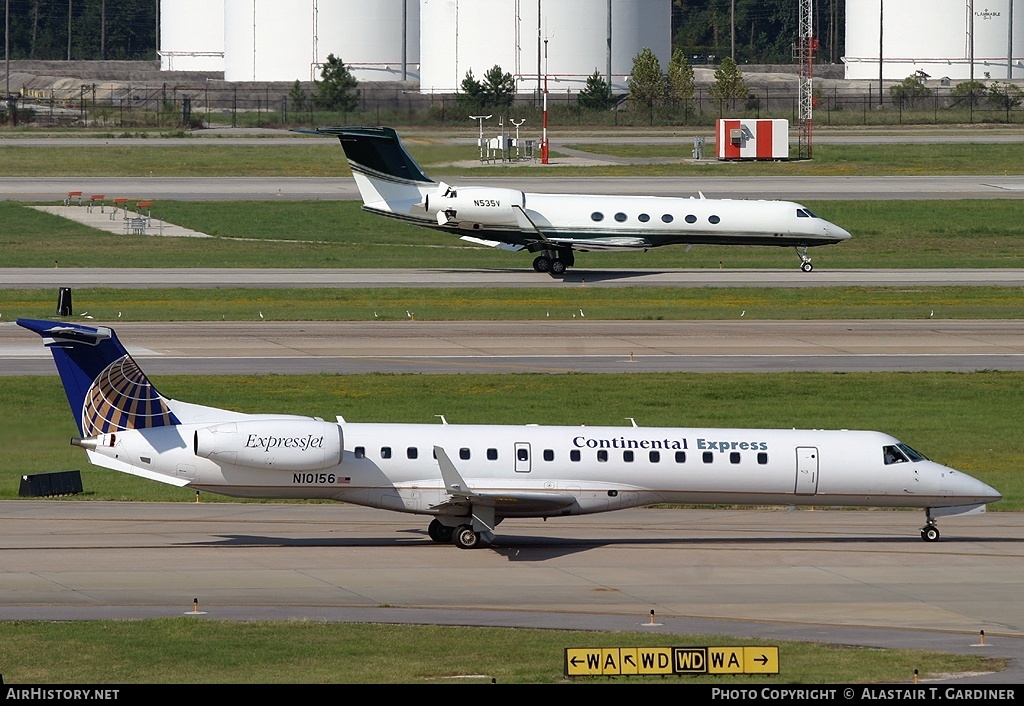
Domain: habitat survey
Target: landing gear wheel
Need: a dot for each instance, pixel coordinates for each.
(542, 263)
(440, 532)
(930, 533)
(806, 266)
(557, 267)
(465, 538)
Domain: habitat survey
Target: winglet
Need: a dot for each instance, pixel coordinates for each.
(453, 482)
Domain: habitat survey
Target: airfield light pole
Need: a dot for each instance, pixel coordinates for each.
(480, 141)
(544, 133)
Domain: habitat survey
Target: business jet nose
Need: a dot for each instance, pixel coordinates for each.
(835, 232)
(965, 487)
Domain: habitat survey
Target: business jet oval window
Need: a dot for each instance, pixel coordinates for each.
(691, 218)
(620, 217)
(597, 216)
(667, 218)
(713, 219)
(643, 218)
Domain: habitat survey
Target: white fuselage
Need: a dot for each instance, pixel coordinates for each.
(392, 466)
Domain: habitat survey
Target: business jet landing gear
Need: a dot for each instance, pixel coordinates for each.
(440, 532)
(555, 262)
(805, 261)
(930, 531)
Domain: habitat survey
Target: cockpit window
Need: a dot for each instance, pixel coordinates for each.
(893, 454)
(804, 213)
(914, 456)
(901, 453)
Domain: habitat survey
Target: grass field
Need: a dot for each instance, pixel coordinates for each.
(192, 651)
(886, 234)
(323, 157)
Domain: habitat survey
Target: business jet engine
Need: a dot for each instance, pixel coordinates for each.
(282, 444)
(475, 204)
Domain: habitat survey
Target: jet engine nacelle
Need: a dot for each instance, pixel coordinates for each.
(284, 444)
(476, 204)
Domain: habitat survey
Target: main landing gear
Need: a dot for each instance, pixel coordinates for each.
(462, 536)
(930, 531)
(805, 260)
(554, 261)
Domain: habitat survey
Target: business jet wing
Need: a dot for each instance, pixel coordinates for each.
(504, 503)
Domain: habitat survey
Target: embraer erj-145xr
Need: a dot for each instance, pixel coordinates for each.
(470, 478)
(557, 225)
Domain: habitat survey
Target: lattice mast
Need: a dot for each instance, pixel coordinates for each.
(806, 45)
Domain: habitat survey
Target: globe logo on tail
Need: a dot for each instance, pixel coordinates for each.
(121, 397)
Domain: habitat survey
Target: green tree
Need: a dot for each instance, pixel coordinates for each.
(1006, 96)
(597, 95)
(968, 94)
(909, 92)
(646, 82)
(470, 97)
(336, 89)
(499, 88)
(729, 84)
(297, 96)
(681, 84)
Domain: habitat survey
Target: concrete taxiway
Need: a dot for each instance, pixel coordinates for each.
(855, 577)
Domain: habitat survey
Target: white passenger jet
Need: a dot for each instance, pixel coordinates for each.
(557, 225)
(470, 478)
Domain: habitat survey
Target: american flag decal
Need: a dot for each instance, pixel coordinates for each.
(121, 397)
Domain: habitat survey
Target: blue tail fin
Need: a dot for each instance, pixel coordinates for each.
(106, 389)
(376, 152)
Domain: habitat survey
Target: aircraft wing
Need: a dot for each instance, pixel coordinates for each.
(493, 243)
(505, 503)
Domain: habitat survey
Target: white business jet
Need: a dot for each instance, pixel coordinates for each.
(470, 478)
(556, 226)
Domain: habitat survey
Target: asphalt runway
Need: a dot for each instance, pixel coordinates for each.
(55, 189)
(411, 346)
(853, 577)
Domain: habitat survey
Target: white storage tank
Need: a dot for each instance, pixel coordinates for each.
(191, 35)
(268, 40)
(934, 37)
(369, 37)
(457, 36)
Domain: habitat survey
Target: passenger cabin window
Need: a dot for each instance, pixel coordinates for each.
(654, 456)
(549, 455)
(385, 452)
(522, 454)
(492, 454)
(714, 219)
(574, 455)
(620, 217)
(597, 216)
(734, 457)
(709, 457)
(412, 452)
(680, 457)
(667, 218)
(762, 458)
(643, 218)
(691, 218)
(359, 451)
(602, 455)
(627, 456)
(464, 454)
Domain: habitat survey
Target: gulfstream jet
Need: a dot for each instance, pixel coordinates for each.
(469, 478)
(556, 226)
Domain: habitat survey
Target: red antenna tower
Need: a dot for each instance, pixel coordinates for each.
(806, 46)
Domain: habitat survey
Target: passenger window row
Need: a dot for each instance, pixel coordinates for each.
(575, 455)
(597, 217)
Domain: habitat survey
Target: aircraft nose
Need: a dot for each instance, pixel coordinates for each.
(970, 488)
(835, 232)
